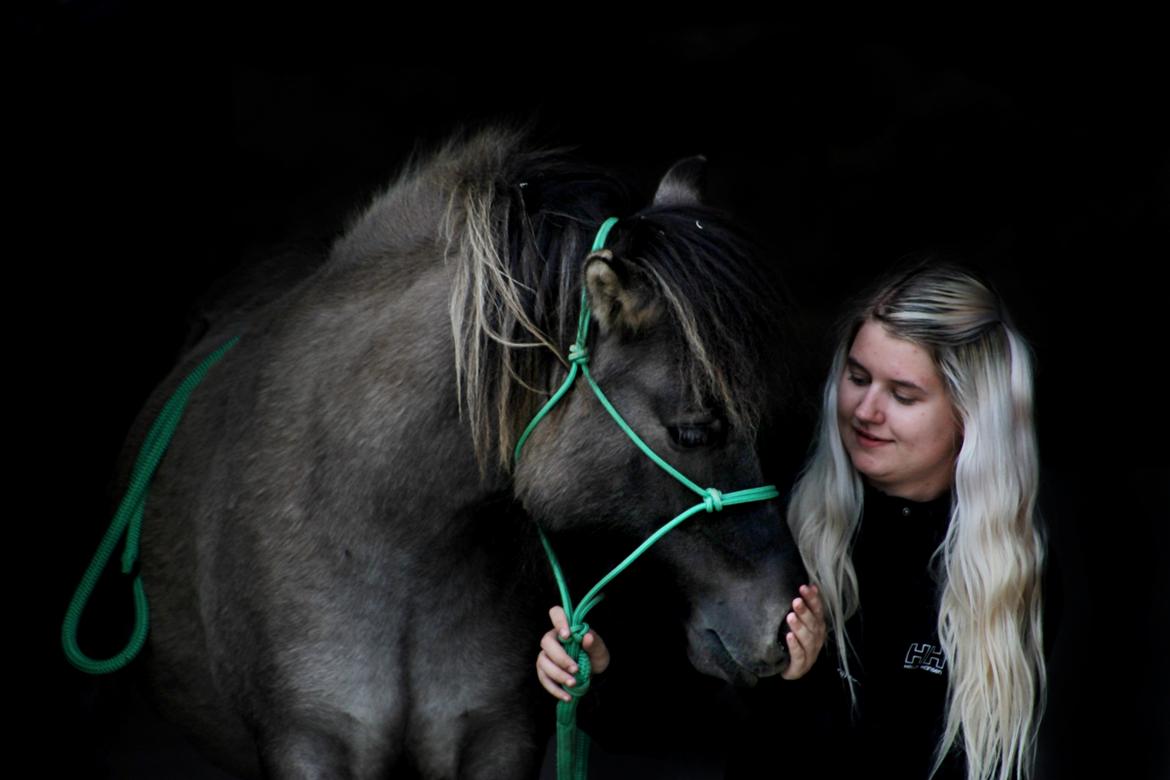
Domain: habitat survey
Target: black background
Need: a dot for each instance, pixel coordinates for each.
(153, 154)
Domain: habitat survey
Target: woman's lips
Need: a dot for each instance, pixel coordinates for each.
(866, 440)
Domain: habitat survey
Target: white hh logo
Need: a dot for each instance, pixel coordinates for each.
(926, 657)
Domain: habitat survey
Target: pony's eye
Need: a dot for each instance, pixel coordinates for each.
(691, 435)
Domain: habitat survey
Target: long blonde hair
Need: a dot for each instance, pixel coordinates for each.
(989, 620)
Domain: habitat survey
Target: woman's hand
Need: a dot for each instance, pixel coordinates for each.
(806, 637)
(554, 667)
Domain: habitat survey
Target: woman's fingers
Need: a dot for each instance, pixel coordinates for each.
(559, 621)
(549, 673)
(594, 645)
(798, 662)
(806, 634)
(805, 625)
(810, 611)
(551, 646)
(811, 595)
(802, 633)
(554, 672)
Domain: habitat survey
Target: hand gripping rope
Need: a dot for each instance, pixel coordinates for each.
(573, 744)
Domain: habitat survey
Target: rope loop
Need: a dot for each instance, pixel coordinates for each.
(713, 502)
(128, 522)
(578, 354)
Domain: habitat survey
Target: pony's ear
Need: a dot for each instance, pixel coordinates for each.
(621, 296)
(682, 184)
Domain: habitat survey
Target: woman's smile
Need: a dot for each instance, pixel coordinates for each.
(869, 440)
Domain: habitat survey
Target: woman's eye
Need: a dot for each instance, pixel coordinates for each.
(904, 400)
(858, 380)
(697, 434)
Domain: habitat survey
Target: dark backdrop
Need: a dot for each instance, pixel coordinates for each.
(152, 155)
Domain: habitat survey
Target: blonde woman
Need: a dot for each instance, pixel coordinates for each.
(916, 518)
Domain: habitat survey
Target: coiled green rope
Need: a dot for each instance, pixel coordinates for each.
(572, 743)
(128, 520)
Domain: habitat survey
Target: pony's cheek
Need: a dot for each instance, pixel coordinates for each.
(575, 486)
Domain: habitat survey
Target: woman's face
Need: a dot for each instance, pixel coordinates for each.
(896, 419)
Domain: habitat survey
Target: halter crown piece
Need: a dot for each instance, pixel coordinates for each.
(573, 744)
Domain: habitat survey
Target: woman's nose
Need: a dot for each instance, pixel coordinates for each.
(869, 410)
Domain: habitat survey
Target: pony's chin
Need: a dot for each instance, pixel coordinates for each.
(709, 655)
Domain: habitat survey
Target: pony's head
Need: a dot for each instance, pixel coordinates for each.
(685, 344)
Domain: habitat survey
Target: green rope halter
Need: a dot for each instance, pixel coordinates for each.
(128, 520)
(573, 744)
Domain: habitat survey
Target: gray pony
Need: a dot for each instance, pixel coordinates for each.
(341, 559)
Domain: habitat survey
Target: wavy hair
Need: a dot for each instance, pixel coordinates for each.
(989, 620)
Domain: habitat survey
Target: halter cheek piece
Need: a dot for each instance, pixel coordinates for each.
(573, 745)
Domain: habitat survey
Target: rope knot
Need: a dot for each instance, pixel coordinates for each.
(714, 500)
(578, 354)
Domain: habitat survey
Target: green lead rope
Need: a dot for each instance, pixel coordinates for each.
(128, 520)
(572, 743)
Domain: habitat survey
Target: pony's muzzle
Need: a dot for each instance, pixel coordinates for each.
(739, 645)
